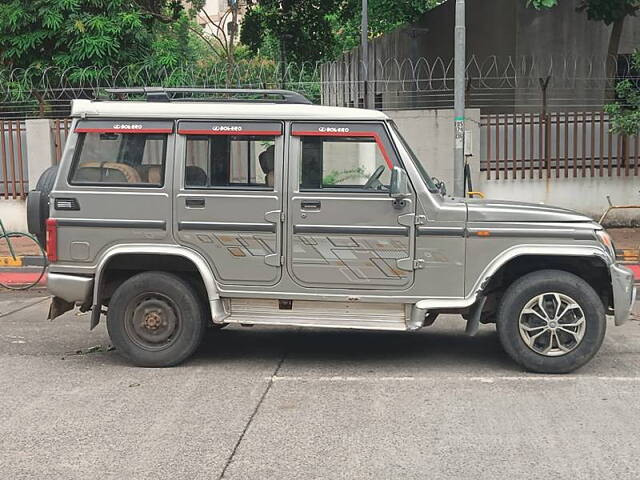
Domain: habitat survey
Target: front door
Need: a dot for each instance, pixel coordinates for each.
(346, 231)
(229, 201)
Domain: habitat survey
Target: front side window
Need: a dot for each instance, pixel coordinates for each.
(230, 161)
(349, 163)
(127, 159)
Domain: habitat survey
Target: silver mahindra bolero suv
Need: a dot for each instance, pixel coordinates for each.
(172, 216)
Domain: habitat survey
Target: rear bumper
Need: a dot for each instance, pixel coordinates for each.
(624, 292)
(71, 288)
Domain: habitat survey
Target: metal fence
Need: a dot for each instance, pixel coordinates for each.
(13, 164)
(556, 145)
(14, 173)
(60, 129)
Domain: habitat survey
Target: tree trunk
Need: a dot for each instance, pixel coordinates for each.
(231, 51)
(42, 104)
(612, 60)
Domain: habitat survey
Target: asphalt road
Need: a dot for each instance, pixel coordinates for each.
(286, 403)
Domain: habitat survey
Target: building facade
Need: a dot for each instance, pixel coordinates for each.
(218, 14)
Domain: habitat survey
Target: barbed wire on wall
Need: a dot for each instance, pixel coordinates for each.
(488, 72)
(56, 82)
(493, 82)
(48, 92)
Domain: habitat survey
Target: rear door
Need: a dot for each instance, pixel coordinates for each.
(117, 189)
(346, 231)
(228, 202)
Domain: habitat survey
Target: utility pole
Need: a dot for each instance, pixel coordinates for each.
(232, 30)
(364, 41)
(458, 101)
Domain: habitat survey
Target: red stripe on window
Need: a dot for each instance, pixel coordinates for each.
(242, 132)
(118, 130)
(373, 135)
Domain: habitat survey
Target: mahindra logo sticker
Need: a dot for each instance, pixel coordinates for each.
(225, 128)
(334, 129)
(127, 126)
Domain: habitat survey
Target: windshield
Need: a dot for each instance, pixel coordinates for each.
(423, 172)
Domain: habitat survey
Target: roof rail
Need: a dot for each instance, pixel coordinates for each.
(160, 94)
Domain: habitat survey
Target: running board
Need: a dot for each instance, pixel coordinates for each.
(306, 313)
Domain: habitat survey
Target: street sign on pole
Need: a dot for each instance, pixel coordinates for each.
(364, 41)
(458, 94)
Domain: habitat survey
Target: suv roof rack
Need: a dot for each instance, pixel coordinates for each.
(161, 94)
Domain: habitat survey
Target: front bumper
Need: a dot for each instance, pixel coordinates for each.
(624, 292)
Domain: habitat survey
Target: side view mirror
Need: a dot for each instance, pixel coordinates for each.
(440, 185)
(399, 188)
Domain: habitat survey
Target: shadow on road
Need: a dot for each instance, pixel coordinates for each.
(310, 348)
(349, 347)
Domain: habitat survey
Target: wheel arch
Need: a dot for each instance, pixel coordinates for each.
(591, 264)
(143, 257)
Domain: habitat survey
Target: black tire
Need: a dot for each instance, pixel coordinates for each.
(46, 180)
(35, 220)
(38, 204)
(541, 282)
(155, 320)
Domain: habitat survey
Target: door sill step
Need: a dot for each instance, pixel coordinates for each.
(307, 313)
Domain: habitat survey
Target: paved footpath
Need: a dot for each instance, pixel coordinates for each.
(285, 403)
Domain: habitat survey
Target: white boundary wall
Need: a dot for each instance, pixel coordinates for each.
(40, 155)
(430, 134)
(14, 214)
(585, 195)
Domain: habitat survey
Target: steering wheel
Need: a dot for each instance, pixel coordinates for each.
(374, 178)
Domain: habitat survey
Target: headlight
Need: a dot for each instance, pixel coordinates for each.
(605, 239)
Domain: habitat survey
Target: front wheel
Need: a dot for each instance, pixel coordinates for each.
(155, 320)
(551, 321)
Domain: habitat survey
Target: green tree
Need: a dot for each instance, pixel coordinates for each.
(73, 33)
(100, 34)
(384, 16)
(88, 40)
(625, 113)
(298, 30)
(313, 30)
(611, 12)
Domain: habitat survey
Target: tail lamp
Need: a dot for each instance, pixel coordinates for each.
(52, 239)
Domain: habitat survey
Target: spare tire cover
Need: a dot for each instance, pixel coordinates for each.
(38, 203)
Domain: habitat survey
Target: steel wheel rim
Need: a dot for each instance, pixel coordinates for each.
(152, 321)
(552, 324)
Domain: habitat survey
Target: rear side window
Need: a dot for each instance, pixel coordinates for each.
(230, 161)
(109, 156)
(231, 155)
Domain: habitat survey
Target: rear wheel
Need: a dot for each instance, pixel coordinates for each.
(551, 321)
(155, 320)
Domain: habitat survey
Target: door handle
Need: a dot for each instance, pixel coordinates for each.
(310, 205)
(194, 202)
